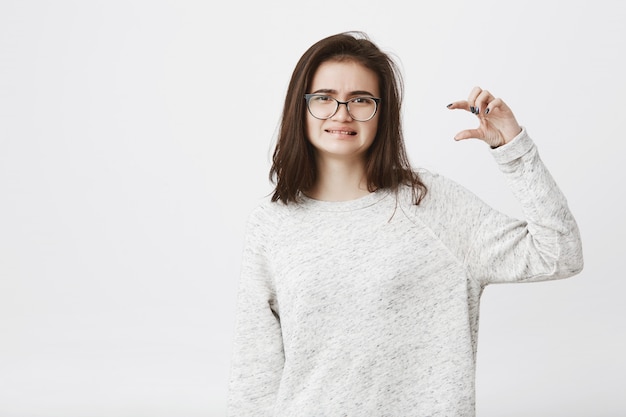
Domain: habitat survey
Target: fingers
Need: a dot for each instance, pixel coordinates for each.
(480, 99)
(468, 134)
(479, 102)
(471, 100)
(461, 105)
(497, 124)
(493, 104)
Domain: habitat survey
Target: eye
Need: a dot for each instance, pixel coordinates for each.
(322, 98)
(362, 100)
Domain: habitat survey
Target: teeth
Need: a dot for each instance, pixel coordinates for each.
(343, 132)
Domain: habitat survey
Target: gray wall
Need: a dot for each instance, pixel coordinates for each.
(135, 138)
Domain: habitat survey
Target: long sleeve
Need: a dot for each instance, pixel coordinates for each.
(257, 360)
(370, 306)
(546, 244)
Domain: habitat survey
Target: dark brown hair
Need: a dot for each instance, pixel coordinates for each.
(387, 166)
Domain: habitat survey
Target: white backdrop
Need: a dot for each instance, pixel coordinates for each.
(135, 138)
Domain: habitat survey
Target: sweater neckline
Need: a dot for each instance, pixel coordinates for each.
(348, 205)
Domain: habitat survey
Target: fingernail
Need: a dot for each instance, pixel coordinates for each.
(487, 111)
(472, 109)
(477, 110)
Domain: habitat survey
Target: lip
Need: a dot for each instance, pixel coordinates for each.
(341, 131)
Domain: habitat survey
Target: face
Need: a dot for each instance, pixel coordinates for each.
(341, 136)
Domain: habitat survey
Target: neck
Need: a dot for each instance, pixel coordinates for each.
(339, 181)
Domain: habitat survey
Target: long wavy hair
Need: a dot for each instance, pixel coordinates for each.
(294, 168)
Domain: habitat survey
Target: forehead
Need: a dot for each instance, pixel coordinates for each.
(344, 77)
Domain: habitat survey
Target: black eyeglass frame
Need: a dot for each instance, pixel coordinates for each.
(308, 97)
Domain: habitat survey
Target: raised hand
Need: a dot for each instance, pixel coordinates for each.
(497, 124)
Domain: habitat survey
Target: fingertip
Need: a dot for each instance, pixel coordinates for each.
(463, 135)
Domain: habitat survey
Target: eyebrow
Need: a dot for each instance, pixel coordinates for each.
(352, 93)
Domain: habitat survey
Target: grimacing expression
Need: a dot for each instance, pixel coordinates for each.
(340, 136)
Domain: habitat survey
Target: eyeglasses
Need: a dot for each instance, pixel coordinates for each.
(324, 107)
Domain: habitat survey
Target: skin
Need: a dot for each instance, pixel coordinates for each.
(497, 124)
(341, 142)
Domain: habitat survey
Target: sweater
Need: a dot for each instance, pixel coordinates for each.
(369, 307)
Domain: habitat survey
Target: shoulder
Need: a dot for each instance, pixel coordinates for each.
(265, 217)
(445, 199)
(428, 177)
(440, 188)
(449, 211)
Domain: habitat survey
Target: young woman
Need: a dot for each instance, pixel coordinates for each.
(361, 277)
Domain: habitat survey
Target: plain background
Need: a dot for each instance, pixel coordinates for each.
(135, 138)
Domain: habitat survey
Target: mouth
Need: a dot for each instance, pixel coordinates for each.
(341, 132)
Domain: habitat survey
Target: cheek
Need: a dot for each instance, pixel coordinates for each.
(312, 126)
(372, 130)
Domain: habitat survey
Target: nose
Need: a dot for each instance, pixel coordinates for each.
(342, 113)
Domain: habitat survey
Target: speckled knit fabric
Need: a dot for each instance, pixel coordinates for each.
(369, 308)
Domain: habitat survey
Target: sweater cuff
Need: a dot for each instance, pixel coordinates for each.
(513, 150)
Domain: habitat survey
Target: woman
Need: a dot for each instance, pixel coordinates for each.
(361, 278)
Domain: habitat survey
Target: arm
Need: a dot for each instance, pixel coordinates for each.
(547, 244)
(258, 358)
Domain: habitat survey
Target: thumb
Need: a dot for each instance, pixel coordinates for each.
(468, 134)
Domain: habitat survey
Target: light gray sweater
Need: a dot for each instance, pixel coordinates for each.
(369, 308)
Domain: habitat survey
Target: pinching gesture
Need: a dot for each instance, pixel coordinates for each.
(498, 125)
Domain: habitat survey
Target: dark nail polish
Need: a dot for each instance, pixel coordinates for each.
(477, 110)
(487, 111)
(448, 106)
(472, 109)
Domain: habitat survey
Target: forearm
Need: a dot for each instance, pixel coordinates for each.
(546, 244)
